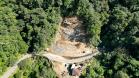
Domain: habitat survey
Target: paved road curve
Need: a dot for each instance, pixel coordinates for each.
(51, 57)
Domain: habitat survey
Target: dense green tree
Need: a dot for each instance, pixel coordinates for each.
(39, 26)
(31, 25)
(96, 71)
(112, 33)
(37, 67)
(121, 74)
(11, 42)
(118, 64)
(92, 19)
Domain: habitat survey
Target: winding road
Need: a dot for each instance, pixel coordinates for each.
(61, 59)
(51, 57)
(11, 70)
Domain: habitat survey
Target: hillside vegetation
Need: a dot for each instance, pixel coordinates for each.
(29, 26)
(37, 67)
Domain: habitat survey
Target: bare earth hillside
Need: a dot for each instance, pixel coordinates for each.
(71, 39)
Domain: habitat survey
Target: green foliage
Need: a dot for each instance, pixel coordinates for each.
(100, 5)
(119, 64)
(38, 67)
(11, 42)
(31, 25)
(39, 27)
(38, 20)
(116, 64)
(96, 71)
(121, 74)
(131, 4)
(112, 33)
(93, 21)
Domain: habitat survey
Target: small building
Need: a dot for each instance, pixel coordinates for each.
(73, 66)
(76, 72)
(76, 69)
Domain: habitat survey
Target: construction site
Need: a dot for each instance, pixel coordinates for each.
(71, 39)
(69, 53)
(70, 42)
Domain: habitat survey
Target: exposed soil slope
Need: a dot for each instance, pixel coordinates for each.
(71, 39)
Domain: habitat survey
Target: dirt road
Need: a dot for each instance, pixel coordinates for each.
(51, 57)
(11, 70)
(61, 59)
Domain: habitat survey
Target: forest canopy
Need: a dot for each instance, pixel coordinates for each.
(29, 26)
(37, 67)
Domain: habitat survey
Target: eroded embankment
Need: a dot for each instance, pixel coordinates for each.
(71, 39)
